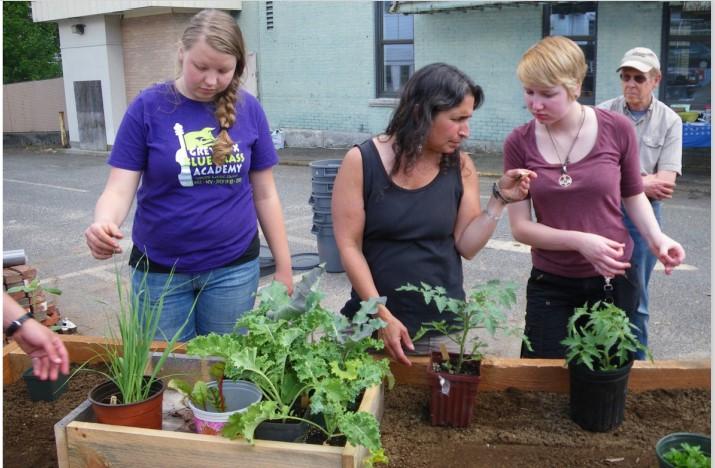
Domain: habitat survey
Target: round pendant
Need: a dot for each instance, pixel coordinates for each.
(565, 180)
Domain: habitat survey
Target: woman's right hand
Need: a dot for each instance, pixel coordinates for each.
(102, 239)
(394, 335)
(603, 254)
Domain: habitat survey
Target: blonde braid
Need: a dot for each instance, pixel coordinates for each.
(226, 116)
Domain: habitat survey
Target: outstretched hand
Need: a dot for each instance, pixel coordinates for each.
(394, 335)
(48, 353)
(515, 183)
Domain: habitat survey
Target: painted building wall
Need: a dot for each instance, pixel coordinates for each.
(322, 77)
(316, 68)
(485, 45)
(622, 26)
(94, 55)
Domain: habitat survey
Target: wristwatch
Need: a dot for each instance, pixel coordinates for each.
(16, 324)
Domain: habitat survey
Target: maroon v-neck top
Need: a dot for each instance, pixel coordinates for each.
(592, 203)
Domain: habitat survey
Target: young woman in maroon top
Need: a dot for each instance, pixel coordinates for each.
(587, 164)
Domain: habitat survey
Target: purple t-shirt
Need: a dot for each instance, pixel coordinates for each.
(189, 211)
(592, 203)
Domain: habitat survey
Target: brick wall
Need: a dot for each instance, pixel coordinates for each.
(33, 106)
(151, 45)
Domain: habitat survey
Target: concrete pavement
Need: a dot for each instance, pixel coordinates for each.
(49, 197)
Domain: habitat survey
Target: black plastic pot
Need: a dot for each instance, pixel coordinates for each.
(288, 431)
(598, 398)
(674, 440)
(44, 390)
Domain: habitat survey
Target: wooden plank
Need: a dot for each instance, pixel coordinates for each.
(91, 445)
(82, 413)
(551, 375)
(497, 373)
(14, 362)
(669, 375)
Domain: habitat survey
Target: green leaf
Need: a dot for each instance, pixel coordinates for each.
(200, 394)
(245, 423)
(180, 386)
(361, 427)
(484, 307)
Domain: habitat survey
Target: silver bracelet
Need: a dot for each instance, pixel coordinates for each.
(491, 215)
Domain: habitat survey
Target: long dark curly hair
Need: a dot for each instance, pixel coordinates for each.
(432, 89)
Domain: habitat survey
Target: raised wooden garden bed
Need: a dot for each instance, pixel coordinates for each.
(82, 442)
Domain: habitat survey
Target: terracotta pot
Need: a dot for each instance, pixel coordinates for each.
(146, 414)
(453, 395)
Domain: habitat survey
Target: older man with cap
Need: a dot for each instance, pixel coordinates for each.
(660, 139)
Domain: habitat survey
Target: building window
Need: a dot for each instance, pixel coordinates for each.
(395, 54)
(577, 21)
(687, 63)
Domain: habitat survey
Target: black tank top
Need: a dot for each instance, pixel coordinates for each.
(409, 238)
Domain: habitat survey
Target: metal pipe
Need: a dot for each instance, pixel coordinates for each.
(13, 258)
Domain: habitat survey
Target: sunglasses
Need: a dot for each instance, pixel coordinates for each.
(640, 79)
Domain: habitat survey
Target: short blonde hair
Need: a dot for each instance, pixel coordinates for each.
(553, 61)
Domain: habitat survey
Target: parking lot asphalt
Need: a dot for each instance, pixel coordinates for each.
(49, 198)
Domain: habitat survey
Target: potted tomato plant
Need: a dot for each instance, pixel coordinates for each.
(311, 365)
(454, 377)
(600, 346)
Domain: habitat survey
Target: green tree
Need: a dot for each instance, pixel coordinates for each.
(31, 51)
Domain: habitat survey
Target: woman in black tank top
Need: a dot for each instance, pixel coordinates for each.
(406, 204)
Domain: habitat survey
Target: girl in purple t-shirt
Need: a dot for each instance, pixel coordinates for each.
(203, 153)
(587, 164)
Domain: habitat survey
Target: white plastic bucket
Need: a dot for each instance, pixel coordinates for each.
(239, 395)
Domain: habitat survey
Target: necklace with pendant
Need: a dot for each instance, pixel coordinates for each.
(565, 179)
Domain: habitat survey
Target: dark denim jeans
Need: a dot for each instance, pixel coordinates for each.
(551, 299)
(644, 260)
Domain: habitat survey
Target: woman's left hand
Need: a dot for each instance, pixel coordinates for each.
(514, 184)
(669, 252)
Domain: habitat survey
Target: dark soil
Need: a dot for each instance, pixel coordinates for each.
(519, 429)
(510, 429)
(28, 426)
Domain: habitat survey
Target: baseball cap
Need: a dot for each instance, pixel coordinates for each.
(640, 58)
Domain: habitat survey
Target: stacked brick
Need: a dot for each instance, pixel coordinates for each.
(33, 299)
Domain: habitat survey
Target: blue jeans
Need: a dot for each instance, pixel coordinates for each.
(222, 296)
(643, 262)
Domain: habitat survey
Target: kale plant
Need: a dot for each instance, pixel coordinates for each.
(293, 349)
